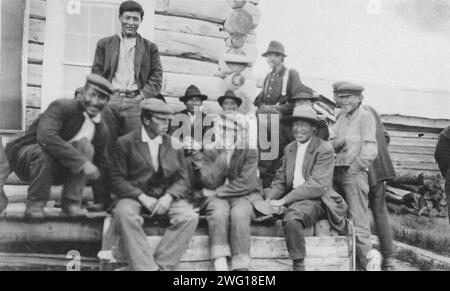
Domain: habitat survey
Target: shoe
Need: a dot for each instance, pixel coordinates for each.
(73, 210)
(34, 212)
(221, 265)
(374, 260)
(299, 266)
(388, 265)
(98, 207)
(3, 201)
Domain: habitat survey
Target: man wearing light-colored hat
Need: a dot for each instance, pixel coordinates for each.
(150, 176)
(381, 170)
(303, 184)
(228, 204)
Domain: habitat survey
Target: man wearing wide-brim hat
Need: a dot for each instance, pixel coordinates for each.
(309, 98)
(150, 177)
(230, 101)
(191, 120)
(303, 184)
(68, 145)
(278, 88)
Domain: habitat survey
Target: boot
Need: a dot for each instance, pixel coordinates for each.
(221, 265)
(3, 201)
(98, 207)
(34, 211)
(73, 210)
(299, 265)
(388, 265)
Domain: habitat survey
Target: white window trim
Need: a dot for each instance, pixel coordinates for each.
(53, 68)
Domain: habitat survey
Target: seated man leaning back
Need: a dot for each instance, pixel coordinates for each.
(303, 184)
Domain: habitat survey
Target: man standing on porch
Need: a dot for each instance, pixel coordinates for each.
(133, 65)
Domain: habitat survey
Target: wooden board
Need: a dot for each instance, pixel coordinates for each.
(188, 66)
(34, 75)
(411, 173)
(32, 114)
(411, 150)
(41, 261)
(188, 25)
(416, 166)
(34, 97)
(410, 142)
(214, 11)
(37, 31)
(18, 193)
(267, 248)
(35, 53)
(38, 9)
(414, 134)
(329, 264)
(195, 46)
(412, 158)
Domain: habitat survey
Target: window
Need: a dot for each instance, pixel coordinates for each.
(82, 32)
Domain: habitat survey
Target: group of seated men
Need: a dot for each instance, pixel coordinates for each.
(120, 134)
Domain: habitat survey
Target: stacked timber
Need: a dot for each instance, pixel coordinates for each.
(210, 44)
(35, 29)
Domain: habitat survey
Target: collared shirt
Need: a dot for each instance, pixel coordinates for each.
(153, 146)
(358, 130)
(300, 158)
(87, 130)
(273, 85)
(124, 78)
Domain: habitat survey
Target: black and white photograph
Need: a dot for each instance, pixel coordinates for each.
(224, 136)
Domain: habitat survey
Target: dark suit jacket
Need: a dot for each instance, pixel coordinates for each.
(382, 168)
(204, 127)
(242, 176)
(148, 69)
(133, 173)
(56, 126)
(442, 153)
(318, 170)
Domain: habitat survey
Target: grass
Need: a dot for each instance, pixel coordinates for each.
(432, 234)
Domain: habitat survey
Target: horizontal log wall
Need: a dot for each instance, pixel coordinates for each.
(412, 150)
(36, 38)
(191, 39)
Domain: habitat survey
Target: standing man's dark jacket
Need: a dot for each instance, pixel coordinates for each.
(133, 173)
(56, 126)
(442, 153)
(148, 68)
(382, 168)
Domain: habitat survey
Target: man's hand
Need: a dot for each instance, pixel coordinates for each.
(163, 205)
(338, 144)
(278, 203)
(90, 171)
(209, 193)
(148, 202)
(266, 194)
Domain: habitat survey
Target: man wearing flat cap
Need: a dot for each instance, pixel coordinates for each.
(354, 140)
(66, 146)
(380, 171)
(303, 184)
(133, 65)
(149, 177)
